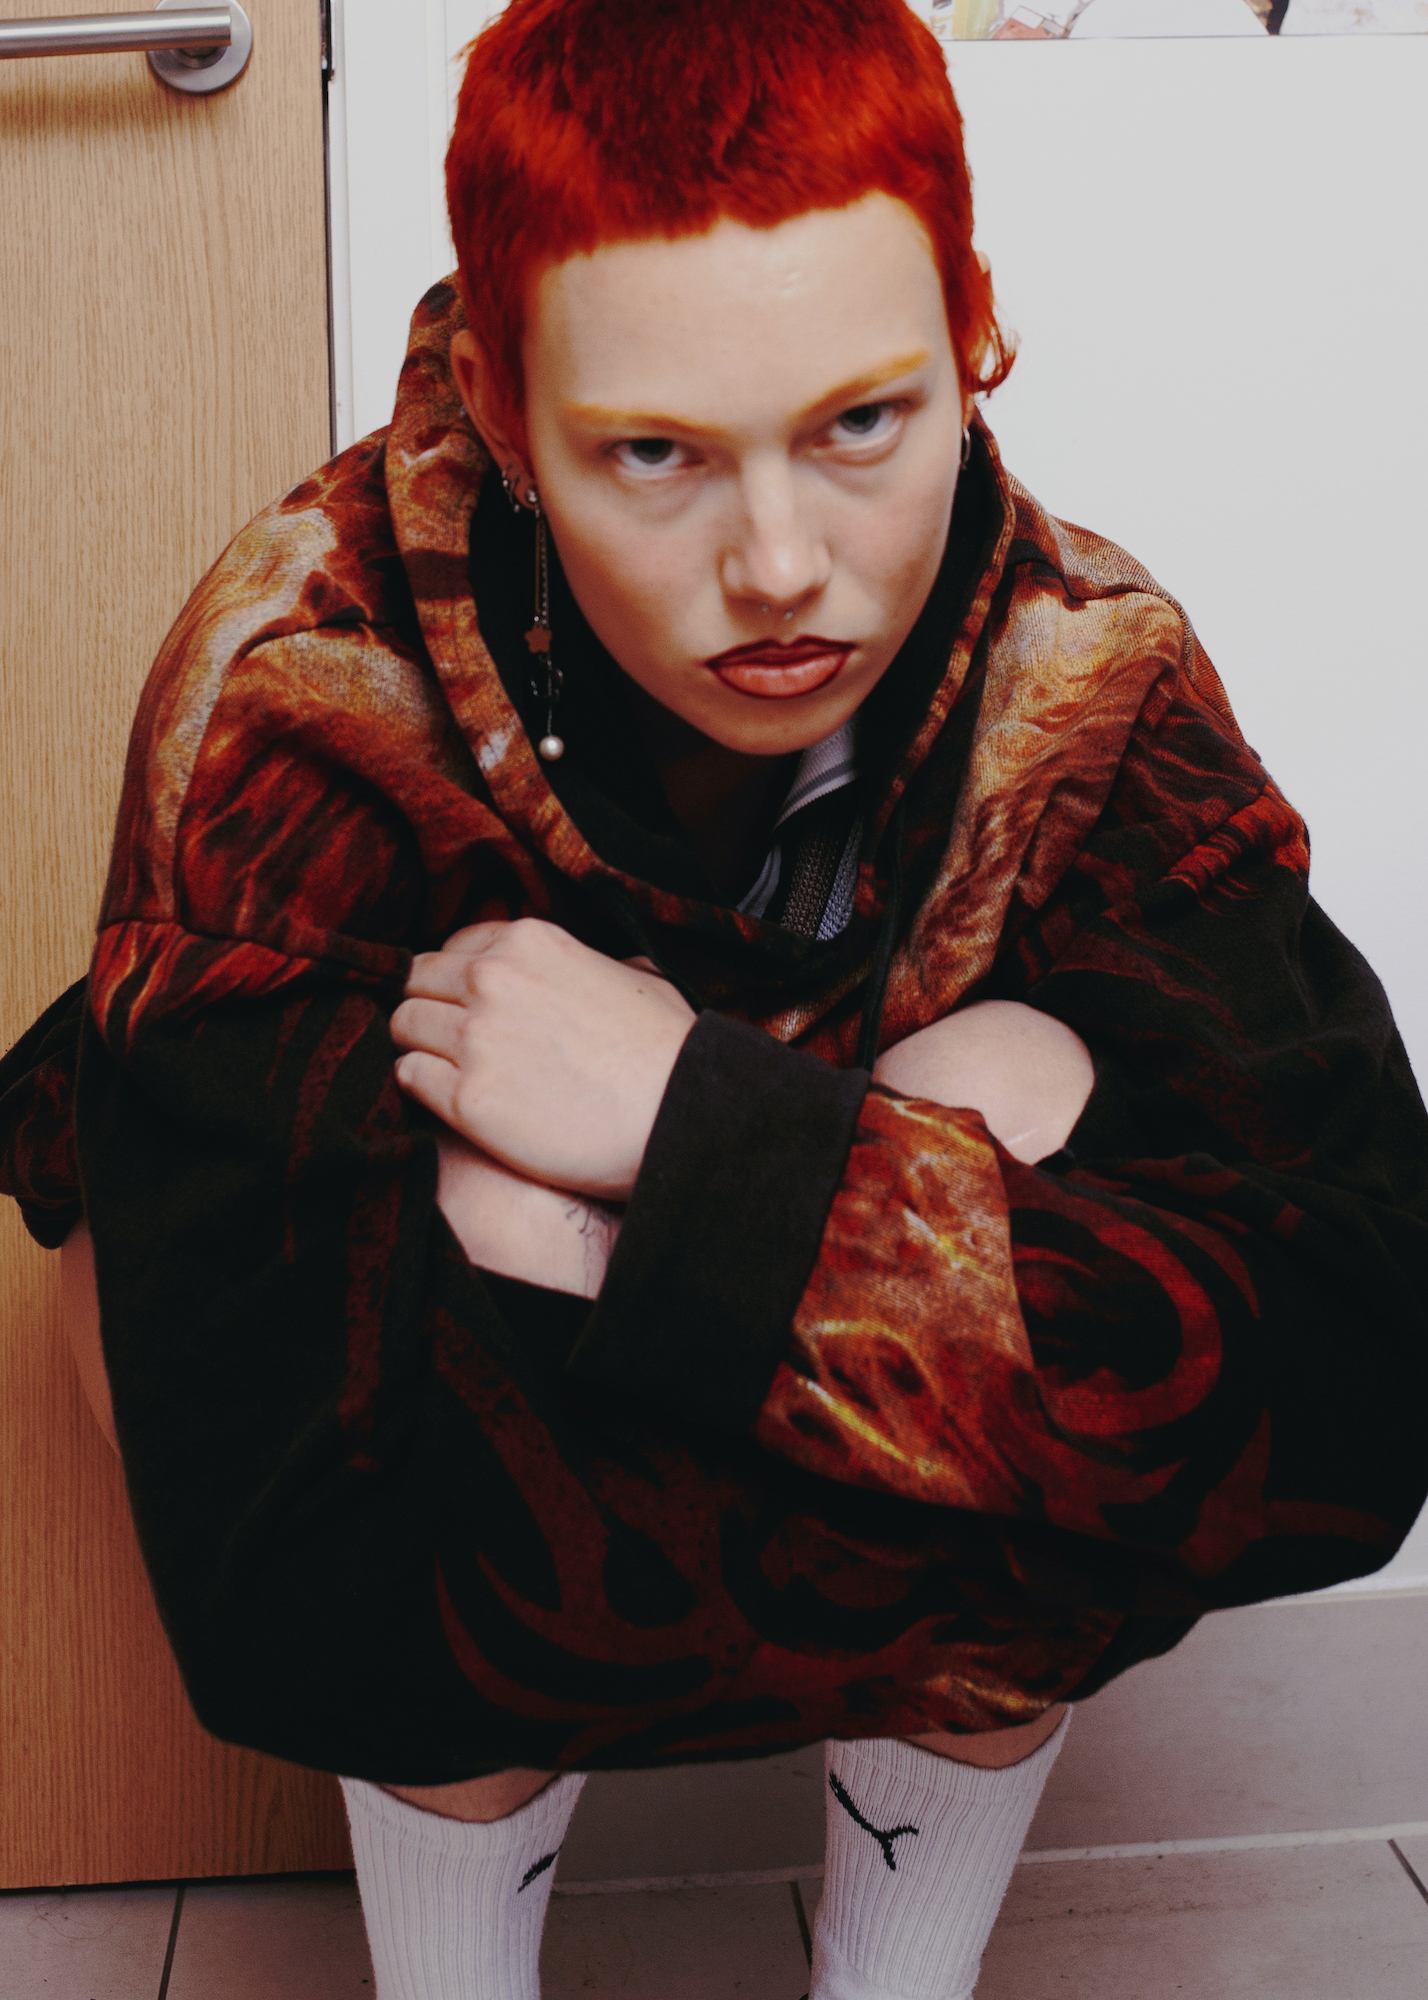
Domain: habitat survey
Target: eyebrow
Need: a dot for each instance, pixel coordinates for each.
(847, 395)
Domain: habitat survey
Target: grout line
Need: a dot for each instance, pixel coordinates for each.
(1412, 1873)
(1133, 1850)
(1235, 1843)
(802, 1916)
(173, 1940)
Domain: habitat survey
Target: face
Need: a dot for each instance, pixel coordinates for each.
(746, 444)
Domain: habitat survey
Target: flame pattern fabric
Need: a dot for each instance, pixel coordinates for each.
(1030, 1421)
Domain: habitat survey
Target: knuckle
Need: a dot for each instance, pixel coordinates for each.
(525, 935)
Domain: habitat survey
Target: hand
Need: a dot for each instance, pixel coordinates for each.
(542, 1053)
(1027, 1074)
(517, 1227)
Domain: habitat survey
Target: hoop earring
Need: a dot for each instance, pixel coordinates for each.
(508, 487)
(966, 447)
(551, 747)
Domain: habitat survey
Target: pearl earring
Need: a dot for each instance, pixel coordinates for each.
(551, 747)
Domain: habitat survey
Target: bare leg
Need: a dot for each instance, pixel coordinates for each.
(478, 1801)
(998, 1748)
(81, 1320)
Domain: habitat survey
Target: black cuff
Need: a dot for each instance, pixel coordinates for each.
(723, 1225)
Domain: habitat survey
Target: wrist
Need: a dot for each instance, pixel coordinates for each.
(521, 1229)
(579, 1255)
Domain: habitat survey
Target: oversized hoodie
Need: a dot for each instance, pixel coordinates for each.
(872, 1430)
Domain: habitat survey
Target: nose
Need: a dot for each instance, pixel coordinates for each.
(776, 558)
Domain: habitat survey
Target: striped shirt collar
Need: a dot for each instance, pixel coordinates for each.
(823, 768)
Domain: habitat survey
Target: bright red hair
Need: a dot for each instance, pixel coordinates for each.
(583, 122)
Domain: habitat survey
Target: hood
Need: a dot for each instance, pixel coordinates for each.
(435, 464)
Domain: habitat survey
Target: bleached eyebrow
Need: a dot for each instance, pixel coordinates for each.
(656, 423)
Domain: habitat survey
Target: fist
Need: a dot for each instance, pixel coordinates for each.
(544, 1054)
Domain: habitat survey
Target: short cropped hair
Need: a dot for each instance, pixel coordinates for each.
(586, 122)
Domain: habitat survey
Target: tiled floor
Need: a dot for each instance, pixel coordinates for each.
(1329, 1922)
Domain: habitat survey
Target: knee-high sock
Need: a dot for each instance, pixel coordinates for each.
(454, 1910)
(920, 1849)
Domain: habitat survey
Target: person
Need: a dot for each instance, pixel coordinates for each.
(711, 1109)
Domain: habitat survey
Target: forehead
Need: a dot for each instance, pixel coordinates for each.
(739, 321)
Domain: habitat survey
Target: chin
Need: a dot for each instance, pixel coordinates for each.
(776, 728)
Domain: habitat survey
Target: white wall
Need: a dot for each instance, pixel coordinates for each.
(1214, 252)
(391, 103)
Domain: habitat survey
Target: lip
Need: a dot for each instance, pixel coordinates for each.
(776, 672)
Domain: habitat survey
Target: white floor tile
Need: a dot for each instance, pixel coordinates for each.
(684, 1944)
(84, 1944)
(1305, 1923)
(294, 1940)
(1277, 1718)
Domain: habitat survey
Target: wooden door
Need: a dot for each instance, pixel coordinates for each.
(163, 374)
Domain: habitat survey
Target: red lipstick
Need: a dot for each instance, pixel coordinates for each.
(776, 671)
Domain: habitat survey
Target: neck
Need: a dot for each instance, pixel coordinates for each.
(726, 800)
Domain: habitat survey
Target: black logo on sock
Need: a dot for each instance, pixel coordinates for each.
(884, 1840)
(537, 1868)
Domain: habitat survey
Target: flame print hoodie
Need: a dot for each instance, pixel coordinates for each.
(873, 1429)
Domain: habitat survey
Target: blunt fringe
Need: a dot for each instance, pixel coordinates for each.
(585, 122)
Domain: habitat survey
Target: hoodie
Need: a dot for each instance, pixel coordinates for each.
(873, 1430)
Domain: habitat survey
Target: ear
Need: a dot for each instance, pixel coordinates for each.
(969, 404)
(473, 386)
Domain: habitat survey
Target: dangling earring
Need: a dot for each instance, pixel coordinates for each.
(550, 746)
(966, 446)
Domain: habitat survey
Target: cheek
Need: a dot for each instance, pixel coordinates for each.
(637, 591)
(893, 550)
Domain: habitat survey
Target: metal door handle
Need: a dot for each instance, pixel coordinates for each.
(195, 49)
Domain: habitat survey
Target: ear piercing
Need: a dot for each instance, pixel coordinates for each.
(551, 747)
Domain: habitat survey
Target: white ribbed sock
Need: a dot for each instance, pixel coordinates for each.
(908, 1905)
(454, 1910)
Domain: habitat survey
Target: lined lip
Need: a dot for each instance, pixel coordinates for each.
(780, 653)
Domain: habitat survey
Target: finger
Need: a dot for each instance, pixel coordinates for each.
(460, 948)
(431, 1081)
(432, 1026)
(474, 938)
(434, 976)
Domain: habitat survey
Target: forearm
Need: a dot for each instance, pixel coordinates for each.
(544, 1236)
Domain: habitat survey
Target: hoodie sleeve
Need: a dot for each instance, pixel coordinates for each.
(37, 1163)
(1199, 1334)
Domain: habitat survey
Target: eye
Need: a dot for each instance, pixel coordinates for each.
(653, 452)
(864, 419)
